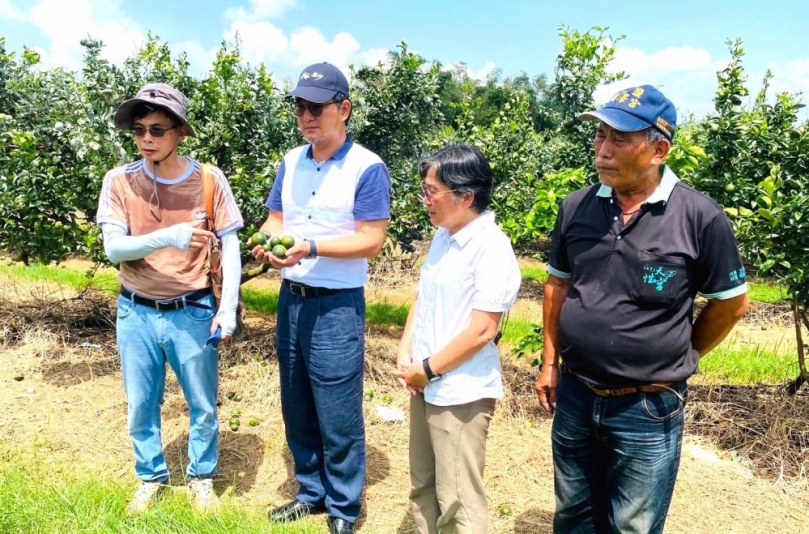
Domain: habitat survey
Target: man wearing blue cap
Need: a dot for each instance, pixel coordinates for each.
(627, 258)
(333, 197)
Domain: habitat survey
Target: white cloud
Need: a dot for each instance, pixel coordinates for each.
(685, 74)
(8, 11)
(67, 22)
(64, 23)
(260, 10)
(199, 59)
(309, 46)
(792, 77)
(375, 56)
(260, 41)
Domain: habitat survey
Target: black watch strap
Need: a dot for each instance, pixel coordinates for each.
(429, 372)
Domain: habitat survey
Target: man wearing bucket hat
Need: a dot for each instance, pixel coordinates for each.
(154, 220)
(333, 197)
(627, 258)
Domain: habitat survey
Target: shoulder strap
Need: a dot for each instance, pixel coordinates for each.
(207, 190)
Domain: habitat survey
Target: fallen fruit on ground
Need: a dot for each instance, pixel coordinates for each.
(235, 411)
(253, 421)
(237, 398)
(234, 428)
(505, 510)
(230, 395)
(18, 377)
(387, 399)
(234, 421)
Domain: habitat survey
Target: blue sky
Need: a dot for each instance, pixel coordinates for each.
(675, 46)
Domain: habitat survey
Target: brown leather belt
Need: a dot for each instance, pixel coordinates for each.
(658, 387)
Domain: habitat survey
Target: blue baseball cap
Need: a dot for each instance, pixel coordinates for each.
(320, 82)
(635, 109)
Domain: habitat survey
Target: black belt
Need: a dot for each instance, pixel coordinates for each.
(170, 304)
(302, 290)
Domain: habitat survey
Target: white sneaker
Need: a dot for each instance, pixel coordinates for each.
(203, 497)
(144, 498)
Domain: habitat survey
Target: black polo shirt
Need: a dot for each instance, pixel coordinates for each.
(628, 316)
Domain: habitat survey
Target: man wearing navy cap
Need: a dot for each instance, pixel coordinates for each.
(333, 197)
(627, 258)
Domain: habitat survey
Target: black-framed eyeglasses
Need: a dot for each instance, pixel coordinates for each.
(159, 131)
(299, 107)
(428, 195)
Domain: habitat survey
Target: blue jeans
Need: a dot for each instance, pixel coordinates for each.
(320, 348)
(147, 338)
(615, 458)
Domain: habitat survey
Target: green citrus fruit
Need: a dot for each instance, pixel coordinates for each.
(18, 377)
(279, 251)
(234, 421)
(237, 398)
(288, 241)
(275, 241)
(369, 393)
(730, 188)
(258, 238)
(234, 428)
(235, 411)
(266, 247)
(253, 421)
(387, 399)
(230, 395)
(505, 510)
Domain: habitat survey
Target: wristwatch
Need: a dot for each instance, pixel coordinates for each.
(312, 248)
(431, 376)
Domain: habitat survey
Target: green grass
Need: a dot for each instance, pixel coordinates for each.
(730, 364)
(35, 499)
(62, 275)
(537, 273)
(766, 291)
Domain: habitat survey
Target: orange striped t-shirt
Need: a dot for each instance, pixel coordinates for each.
(126, 199)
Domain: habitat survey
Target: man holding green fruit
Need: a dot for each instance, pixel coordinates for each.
(333, 196)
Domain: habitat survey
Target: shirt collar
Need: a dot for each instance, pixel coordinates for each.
(465, 234)
(660, 195)
(338, 155)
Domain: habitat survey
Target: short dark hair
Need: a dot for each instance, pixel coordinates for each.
(339, 98)
(142, 110)
(464, 169)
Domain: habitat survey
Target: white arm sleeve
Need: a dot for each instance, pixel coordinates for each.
(121, 247)
(231, 280)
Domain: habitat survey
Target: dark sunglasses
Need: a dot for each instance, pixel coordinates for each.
(140, 131)
(299, 108)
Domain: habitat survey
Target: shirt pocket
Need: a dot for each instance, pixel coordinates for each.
(659, 279)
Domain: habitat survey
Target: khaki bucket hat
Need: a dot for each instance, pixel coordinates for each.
(159, 95)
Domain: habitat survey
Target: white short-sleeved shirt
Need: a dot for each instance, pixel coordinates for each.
(475, 269)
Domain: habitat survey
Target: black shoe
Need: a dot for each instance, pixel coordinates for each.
(291, 511)
(340, 526)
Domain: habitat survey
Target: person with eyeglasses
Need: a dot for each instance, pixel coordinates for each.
(333, 197)
(154, 221)
(448, 357)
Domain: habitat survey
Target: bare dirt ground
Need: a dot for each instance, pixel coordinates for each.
(70, 410)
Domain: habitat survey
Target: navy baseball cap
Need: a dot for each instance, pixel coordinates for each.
(320, 82)
(635, 109)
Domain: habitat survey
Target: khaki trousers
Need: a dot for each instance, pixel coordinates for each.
(447, 455)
